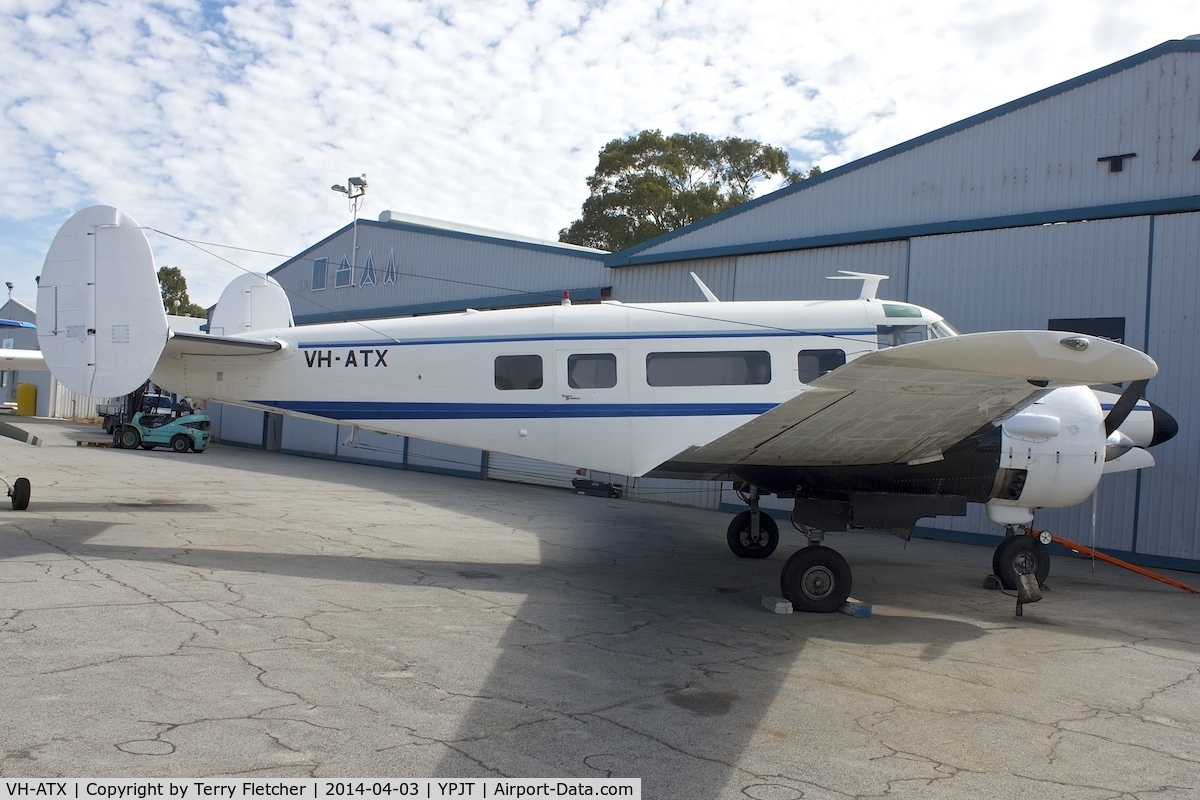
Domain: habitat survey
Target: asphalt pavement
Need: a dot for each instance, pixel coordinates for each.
(241, 613)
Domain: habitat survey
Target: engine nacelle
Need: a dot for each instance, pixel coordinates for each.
(1051, 456)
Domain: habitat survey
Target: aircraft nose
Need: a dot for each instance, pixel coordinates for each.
(1165, 426)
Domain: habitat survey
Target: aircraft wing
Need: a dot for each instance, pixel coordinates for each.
(22, 359)
(909, 404)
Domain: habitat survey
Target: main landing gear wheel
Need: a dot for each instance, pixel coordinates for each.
(816, 579)
(129, 438)
(744, 545)
(1020, 555)
(20, 494)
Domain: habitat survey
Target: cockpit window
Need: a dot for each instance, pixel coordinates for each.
(896, 335)
(897, 310)
(942, 330)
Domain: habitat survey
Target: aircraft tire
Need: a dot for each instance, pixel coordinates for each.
(129, 438)
(1017, 555)
(816, 580)
(738, 536)
(180, 443)
(20, 494)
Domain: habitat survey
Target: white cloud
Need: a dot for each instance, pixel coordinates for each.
(229, 122)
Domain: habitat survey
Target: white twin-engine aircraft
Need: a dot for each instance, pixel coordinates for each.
(869, 413)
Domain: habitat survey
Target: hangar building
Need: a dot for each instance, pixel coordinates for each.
(1077, 207)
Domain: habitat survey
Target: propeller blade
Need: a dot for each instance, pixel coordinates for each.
(13, 432)
(1124, 405)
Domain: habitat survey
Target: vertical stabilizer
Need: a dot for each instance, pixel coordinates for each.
(251, 302)
(100, 323)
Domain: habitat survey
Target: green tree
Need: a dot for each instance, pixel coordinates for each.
(650, 184)
(173, 286)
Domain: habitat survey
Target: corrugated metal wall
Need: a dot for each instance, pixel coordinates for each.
(1169, 518)
(1039, 156)
(792, 275)
(1021, 278)
(237, 425)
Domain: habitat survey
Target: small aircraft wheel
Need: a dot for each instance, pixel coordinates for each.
(1020, 555)
(816, 579)
(20, 494)
(180, 443)
(129, 438)
(743, 546)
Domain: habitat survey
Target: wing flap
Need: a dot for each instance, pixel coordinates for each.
(909, 404)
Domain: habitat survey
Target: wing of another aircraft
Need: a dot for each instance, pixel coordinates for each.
(908, 404)
(21, 359)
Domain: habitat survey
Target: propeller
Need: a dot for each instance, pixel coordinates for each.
(1124, 405)
(13, 432)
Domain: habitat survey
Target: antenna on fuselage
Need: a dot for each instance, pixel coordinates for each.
(708, 293)
(870, 281)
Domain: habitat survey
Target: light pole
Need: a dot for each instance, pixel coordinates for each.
(357, 188)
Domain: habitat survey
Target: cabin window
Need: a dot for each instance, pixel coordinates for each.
(320, 274)
(518, 372)
(815, 363)
(896, 335)
(731, 368)
(592, 371)
(344, 275)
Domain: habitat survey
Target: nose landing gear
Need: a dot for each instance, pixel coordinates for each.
(19, 491)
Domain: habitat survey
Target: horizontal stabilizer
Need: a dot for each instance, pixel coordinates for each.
(200, 344)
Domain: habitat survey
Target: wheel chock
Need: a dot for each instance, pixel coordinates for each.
(855, 608)
(777, 605)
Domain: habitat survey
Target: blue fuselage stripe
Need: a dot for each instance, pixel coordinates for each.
(585, 337)
(397, 411)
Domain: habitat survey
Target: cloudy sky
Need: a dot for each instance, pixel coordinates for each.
(227, 122)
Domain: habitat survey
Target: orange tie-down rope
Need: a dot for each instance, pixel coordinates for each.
(1088, 551)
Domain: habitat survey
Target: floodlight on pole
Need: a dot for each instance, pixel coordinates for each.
(357, 188)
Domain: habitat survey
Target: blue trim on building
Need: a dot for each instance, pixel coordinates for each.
(1174, 46)
(1172, 205)
(479, 303)
(348, 410)
(549, 247)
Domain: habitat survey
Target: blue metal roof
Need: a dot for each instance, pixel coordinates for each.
(549, 247)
